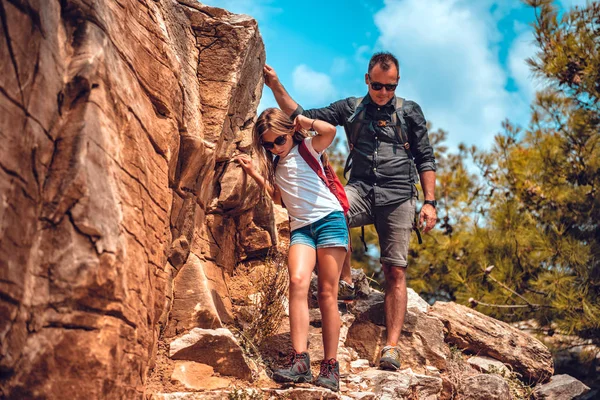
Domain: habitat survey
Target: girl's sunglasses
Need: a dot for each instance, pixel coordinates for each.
(390, 87)
(279, 141)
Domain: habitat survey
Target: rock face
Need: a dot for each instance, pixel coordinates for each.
(197, 376)
(215, 347)
(485, 387)
(561, 387)
(478, 334)
(422, 340)
(119, 121)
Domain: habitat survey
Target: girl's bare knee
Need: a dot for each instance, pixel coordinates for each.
(299, 282)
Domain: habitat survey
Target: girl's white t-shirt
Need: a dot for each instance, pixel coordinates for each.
(304, 194)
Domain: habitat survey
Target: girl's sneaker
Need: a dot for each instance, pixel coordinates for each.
(329, 377)
(297, 371)
(345, 290)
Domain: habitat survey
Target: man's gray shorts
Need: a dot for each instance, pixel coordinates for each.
(393, 223)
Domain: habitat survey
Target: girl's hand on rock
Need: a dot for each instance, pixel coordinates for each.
(246, 163)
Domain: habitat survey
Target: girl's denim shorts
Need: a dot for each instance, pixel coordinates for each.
(329, 231)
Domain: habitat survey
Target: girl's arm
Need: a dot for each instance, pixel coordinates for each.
(325, 131)
(246, 163)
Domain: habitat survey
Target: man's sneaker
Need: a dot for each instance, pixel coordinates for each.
(297, 370)
(390, 358)
(329, 377)
(345, 291)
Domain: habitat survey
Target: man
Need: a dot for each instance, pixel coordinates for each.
(381, 189)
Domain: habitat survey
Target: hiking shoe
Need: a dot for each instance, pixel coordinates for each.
(329, 377)
(390, 358)
(345, 291)
(297, 370)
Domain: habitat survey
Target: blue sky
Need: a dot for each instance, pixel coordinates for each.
(463, 61)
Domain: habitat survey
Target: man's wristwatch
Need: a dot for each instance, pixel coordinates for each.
(431, 203)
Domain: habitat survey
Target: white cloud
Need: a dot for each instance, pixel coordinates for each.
(339, 66)
(523, 48)
(448, 52)
(312, 88)
(362, 54)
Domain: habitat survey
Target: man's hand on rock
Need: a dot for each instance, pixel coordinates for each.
(271, 79)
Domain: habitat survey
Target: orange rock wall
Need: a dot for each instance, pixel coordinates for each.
(118, 121)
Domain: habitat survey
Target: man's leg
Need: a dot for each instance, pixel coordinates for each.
(346, 269)
(395, 302)
(359, 214)
(394, 227)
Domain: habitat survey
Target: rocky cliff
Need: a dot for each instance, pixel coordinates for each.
(119, 204)
(133, 252)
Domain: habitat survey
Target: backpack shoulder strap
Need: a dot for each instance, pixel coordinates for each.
(399, 125)
(312, 162)
(352, 128)
(354, 121)
(326, 174)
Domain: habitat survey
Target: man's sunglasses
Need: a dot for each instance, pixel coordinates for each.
(279, 141)
(390, 87)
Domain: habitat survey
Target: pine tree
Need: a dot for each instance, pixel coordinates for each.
(524, 241)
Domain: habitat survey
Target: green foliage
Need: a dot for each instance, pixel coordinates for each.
(569, 49)
(523, 240)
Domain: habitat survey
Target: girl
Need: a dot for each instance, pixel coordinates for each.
(319, 234)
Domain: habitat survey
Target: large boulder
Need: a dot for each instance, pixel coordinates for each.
(421, 341)
(485, 387)
(215, 347)
(479, 334)
(198, 300)
(561, 387)
(399, 385)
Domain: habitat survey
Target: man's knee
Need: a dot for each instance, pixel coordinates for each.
(394, 275)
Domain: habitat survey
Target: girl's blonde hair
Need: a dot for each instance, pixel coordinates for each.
(277, 121)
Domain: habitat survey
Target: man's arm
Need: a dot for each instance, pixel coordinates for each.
(335, 114)
(424, 160)
(284, 100)
(419, 139)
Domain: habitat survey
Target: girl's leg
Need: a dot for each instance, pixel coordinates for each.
(301, 262)
(330, 260)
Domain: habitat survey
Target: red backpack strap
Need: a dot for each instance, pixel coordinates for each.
(312, 162)
(328, 176)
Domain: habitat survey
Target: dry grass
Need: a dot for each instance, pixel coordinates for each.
(518, 389)
(270, 299)
(457, 370)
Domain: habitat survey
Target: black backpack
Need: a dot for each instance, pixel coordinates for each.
(355, 121)
(352, 128)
